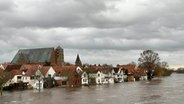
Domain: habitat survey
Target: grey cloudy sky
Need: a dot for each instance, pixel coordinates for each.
(101, 31)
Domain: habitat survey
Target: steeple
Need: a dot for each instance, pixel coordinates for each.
(78, 61)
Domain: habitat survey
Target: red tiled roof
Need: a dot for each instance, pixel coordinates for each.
(57, 68)
(28, 66)
(29, 69)
(130, 68)
(95, 69)
(69, 71)
(12, 73)
(15, 72)
(12, 67)
(72, 67)
(45, 69)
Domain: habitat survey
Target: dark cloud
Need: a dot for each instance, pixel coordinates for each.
(115, 31)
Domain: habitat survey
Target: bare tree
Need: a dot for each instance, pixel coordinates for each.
(149, 60)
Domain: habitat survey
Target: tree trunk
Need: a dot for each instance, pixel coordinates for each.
(150, 74)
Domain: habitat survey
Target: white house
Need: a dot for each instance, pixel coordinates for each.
(98, 77)
(41, 73)
(47, 71)
(106, 77)
(16, 77)
(14, 73)
(95, 77)
(118, 75)
(28, 72)
(84, 78)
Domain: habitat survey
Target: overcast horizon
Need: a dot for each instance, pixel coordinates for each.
(101, 31)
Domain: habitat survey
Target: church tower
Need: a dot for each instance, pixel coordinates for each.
(78, 61)
(59, 56)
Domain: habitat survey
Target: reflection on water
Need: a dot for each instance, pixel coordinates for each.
(168, 90)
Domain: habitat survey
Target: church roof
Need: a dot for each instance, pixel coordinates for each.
(39, 55)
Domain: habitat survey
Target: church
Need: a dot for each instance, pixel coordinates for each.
(51, 56)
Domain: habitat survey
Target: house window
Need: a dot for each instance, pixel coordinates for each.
(19, 77)
(98, 75)
(32, 78)
(76, 82)
(49, 75)
(64, 82)
(84, 75)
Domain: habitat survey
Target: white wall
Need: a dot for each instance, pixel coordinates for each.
(84, 78)
(1, 67)
(98, 77)
(50, 72)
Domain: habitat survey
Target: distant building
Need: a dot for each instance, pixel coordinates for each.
(50, 56)
(78, 61)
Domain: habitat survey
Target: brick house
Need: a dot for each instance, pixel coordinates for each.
(74, 75)
(68, 76)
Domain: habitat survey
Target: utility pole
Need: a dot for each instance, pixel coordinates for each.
(39, 84)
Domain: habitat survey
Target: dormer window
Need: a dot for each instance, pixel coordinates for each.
(84, 75)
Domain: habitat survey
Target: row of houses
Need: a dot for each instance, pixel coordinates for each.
(41, 76)
(45, 67)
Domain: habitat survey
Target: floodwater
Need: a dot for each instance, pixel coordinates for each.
(167, 90)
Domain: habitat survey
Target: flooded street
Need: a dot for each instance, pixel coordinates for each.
(168, 90)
